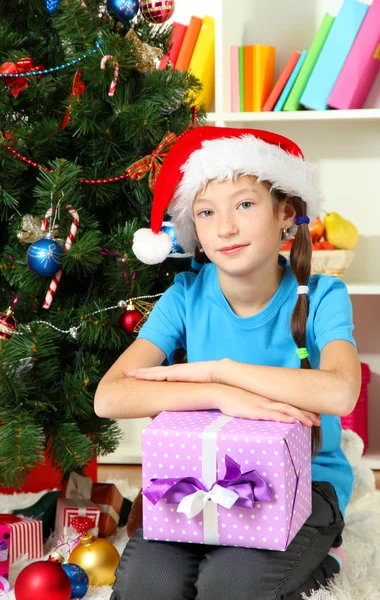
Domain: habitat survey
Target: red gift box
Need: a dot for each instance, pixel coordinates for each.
(76, 513)
(18, 537)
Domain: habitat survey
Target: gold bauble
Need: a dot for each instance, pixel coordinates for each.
(98, 557)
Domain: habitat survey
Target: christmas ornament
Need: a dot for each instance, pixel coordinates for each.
(76, 91)
(157, 11)
(177, 251)
(103, 62)
(78, 580)
(130, 319)
(146, 55)
(142, 308)
(98, 557)
(8, 324)
(52, 6)
(82, 524)
(123, 10)
(45, 580)
(32, 230)
(44, 257)
(10, 71)
(151, 163)
(69, 240)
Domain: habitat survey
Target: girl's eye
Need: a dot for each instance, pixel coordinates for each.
(205, 213)
(245, 205)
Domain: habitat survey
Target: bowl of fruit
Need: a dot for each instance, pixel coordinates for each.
(333, 240)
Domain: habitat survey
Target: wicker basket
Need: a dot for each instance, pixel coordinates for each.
(329, 262)
(358, 420)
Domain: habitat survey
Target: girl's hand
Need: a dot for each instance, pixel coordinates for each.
(237, 402)
(195, 372)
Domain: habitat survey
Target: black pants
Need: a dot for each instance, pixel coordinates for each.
(156, 570)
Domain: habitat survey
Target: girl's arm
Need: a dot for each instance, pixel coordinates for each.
(121, 397)
(332, 389)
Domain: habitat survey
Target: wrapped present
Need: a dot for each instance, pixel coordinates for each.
(109, 500)
(76, 513)
(213, 479)
(19, 537)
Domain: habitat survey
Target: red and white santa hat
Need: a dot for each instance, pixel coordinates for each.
(219, 153)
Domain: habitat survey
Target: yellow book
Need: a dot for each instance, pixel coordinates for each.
(202, 63)
(263, 74)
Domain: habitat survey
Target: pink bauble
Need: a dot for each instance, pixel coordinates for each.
(43, 580)
(157, 11)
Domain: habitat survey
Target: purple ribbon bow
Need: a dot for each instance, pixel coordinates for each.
(249, 486)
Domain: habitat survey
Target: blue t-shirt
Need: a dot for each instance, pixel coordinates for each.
(194, 314)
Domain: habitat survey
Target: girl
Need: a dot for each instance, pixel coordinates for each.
(248, 321)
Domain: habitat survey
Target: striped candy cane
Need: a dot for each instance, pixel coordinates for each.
(115, 72)
(69, 240)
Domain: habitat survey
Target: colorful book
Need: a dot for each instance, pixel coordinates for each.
(263, 63)
(373, 98)
(333, 54)
(248, 78)
(290, 83)
(362, 65)
(188, 44)
(235, 91)
(202, 63)
(293, 101)
(178, 34)
(281, 81)
(241, 77)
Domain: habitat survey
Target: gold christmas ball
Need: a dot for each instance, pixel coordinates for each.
(98, 557)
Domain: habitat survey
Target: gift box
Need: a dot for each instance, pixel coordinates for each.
(109, 500)
(213, 479)
(19, 537)
(76, 513)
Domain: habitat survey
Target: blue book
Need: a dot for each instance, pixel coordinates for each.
(289, 84)
(333, 54)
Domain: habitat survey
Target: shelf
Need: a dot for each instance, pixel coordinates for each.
(125, 454)
(301, 115)
(371, 459)
(363, 289)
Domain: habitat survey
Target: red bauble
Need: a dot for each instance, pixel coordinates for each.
(8, 324)
(45, 580)
(130, 319)
(157, 11)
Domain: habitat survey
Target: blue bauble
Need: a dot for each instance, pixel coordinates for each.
(51, 5)
(177, 251)
(78, 579)
(44, 257)
(123, 10)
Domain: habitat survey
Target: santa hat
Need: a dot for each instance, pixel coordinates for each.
(219, 153)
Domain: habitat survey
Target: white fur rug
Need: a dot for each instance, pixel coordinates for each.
(360, 581)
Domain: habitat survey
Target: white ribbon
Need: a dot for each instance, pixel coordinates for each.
(79, 487)
(193, 504)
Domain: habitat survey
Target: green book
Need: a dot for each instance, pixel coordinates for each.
(241, 77)
(293, 101)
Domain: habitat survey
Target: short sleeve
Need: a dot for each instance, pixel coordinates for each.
(165, 326)
(333, 316)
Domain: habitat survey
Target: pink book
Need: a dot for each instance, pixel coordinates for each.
(235, 91)
(373, 98)
(362, 64)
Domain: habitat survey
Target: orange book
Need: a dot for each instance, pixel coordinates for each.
(188, 44)
(248, 79)
(263, 74)
(178, 34)
(281, 82)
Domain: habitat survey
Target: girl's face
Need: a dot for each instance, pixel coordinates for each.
(236, 225)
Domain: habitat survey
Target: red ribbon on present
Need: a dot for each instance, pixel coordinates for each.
(76, 91)
(7, 519)
(18, 84)
(152, 162)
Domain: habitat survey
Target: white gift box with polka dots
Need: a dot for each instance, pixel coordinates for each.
(195, 444)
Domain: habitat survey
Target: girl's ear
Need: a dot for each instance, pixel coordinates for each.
(289, 212)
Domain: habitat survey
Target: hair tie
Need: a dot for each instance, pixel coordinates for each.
(302, 289)
(300, 220)
(302, 353)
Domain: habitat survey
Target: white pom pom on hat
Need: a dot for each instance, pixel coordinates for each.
(219, 153)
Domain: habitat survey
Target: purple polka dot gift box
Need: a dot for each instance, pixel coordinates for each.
(213, 479)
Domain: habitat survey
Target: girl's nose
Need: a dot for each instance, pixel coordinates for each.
(226, 225)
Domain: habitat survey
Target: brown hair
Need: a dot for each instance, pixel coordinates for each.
(300, 263)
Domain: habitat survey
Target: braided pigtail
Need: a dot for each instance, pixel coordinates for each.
(300, 263)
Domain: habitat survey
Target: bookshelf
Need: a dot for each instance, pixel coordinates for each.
(344, 145)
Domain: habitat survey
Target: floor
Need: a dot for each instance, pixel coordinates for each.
(133, 473)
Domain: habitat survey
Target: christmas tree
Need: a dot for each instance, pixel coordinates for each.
(82, 108)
